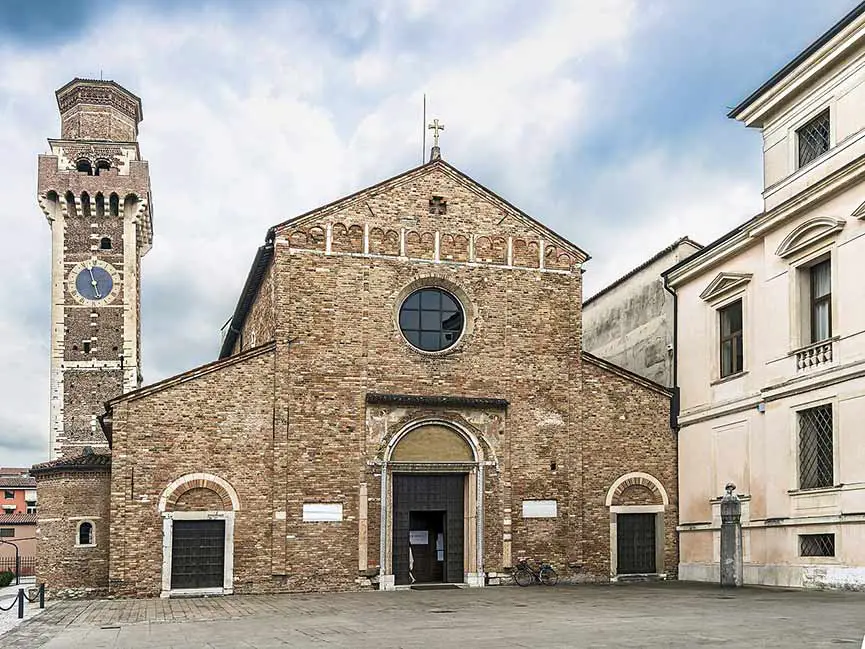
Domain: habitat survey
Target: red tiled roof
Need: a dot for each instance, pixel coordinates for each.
(26, 482)
(17, 519)
(88, 460)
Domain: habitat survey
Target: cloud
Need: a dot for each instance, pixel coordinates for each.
(257, 114)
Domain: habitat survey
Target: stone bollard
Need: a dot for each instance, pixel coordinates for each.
(731, 538)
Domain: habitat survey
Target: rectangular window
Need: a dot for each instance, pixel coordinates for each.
(31, 509)
(815, 448)
(8, 494)
(7, 532)
(731, 338)
(820, 276)
(816, 545)
(813, 138)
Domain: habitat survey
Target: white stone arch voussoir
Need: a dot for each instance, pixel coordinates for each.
(459, 429)
(205, 480)
(640, 478)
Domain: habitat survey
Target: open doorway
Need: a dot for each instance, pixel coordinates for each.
(427, 547)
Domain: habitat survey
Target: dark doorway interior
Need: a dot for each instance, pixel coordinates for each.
(636, 544)
(198, 554)
(427, 544)
(434, 504)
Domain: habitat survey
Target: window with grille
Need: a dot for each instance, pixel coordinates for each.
(7, 532)
(731, 338)
(813, 138)
(820, 276)
(815, 448)
(816, 545)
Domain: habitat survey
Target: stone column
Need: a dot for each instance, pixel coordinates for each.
(731, 538)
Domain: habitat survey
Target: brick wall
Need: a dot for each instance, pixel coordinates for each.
(217, 419)
(65, 499)
(625, 429)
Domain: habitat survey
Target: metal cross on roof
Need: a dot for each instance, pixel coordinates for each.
(436, 127)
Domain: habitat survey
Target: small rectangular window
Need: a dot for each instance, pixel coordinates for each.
(7, 532)
(820, 280)
(816, 545)
(816, 459)
(31, 509)
(813, 138)
(8, 494)
(731, 338)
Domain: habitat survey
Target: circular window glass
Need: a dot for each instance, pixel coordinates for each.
(431, 319)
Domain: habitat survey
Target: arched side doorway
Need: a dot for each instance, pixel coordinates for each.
(198, 512)
(432, 509)
(637, 502)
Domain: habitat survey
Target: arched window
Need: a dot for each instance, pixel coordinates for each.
(102, 165)
(105, 243)
(85, 533)
(100, 206)
(85, 205)
(83, 166)
(114, 205)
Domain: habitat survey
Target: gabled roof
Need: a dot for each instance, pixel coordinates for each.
(776, 78)
(651, 260)
(265, 253)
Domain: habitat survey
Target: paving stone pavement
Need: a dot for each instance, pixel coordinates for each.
(634, 615)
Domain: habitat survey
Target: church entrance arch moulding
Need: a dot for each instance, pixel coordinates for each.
(432, 513)
(637, 502)
(198, 511)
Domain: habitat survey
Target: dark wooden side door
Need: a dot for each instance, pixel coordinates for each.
(636, 544)
(198, 554)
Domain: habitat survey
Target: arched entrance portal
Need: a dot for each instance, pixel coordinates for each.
(432, 512)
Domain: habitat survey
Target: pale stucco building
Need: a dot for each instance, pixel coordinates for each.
(771, 338)
(630, 322)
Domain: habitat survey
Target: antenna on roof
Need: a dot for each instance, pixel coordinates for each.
(423, 131)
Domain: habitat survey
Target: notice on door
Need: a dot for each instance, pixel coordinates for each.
(418, 537)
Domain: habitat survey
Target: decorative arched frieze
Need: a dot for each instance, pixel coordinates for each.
(636, 478)
(807, 233)
(723, 284)
(172, 493)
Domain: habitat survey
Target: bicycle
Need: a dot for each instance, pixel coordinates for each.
(524, 574)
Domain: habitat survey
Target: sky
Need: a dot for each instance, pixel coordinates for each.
(605, 120)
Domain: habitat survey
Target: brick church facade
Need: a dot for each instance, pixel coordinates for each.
(401, 397)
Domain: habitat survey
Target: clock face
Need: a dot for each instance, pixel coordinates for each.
(93, 282)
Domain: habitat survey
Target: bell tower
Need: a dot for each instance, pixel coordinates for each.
(94, 189)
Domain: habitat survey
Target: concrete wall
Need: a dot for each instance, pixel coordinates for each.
(630, 323)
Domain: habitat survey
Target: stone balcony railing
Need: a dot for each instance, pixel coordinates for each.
(816, 355)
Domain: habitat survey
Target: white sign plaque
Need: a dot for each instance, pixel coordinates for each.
(418, 537)
(540, 509)
(322, 512)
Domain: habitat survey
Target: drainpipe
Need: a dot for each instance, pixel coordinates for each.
(674, 404)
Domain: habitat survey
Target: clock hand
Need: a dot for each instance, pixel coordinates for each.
(93, 282)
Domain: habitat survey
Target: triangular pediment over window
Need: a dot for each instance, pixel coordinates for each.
(807, 233)
(724, 283)
(859, 212)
